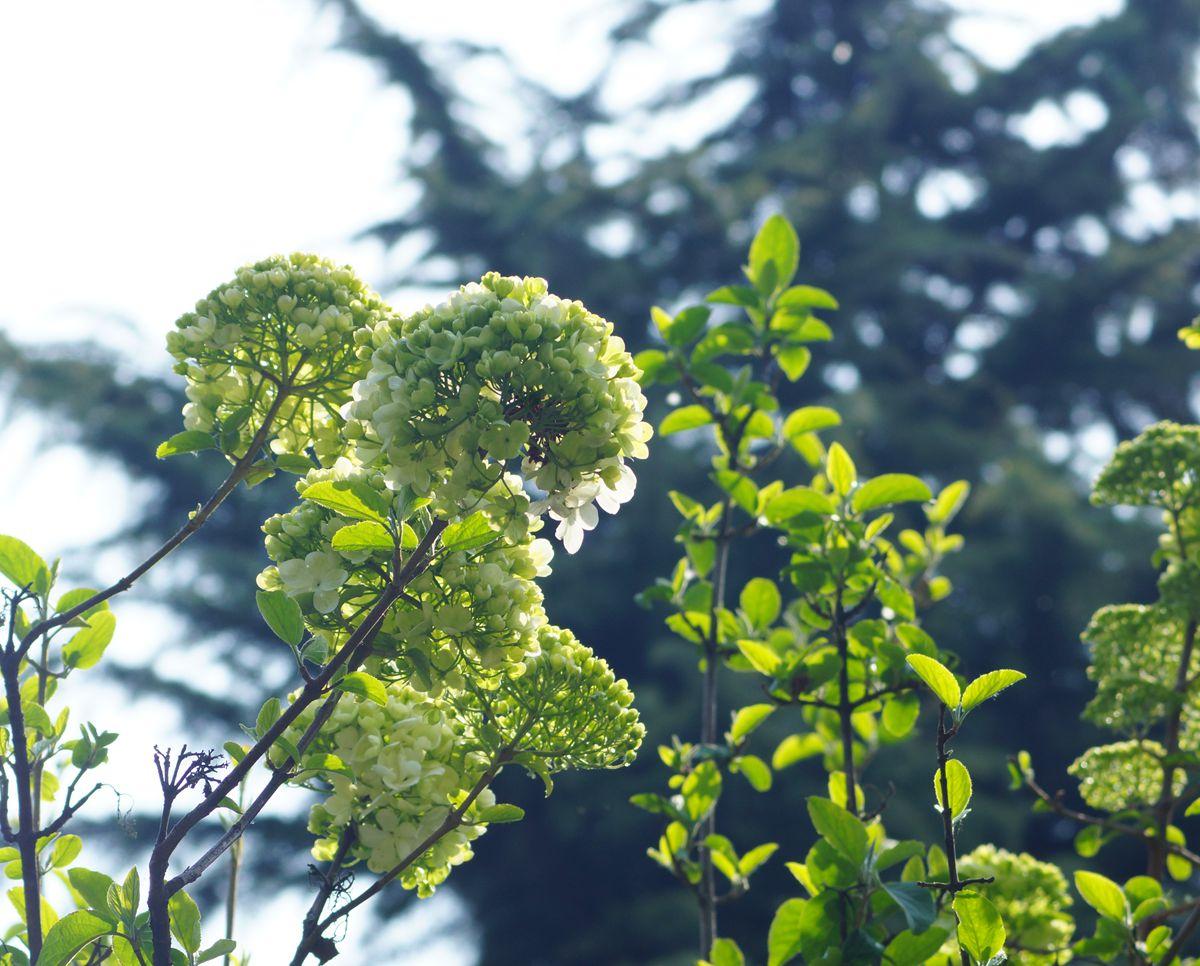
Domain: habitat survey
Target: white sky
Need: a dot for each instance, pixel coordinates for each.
(149, 148)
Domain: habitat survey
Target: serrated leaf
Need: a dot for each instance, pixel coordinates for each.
(980, 928)
(349, 498)
(935, 674)
(282, 615)
(364, 535)
(72, 933)
(888, 489)
(843, 831)
(1102, 894)
(988, 686)
(470, 534)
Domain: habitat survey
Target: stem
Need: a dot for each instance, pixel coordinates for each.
(1164, 808)
(10, 666)
(235, 867)
(954, 885)
(845, 706)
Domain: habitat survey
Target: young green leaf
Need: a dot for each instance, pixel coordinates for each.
(810, 419)
(935, 674)
(913, 949)
(85, 649)
(980, 928)
(1102, 894)
(282, 615)
(364, 535)
(470, 534)
(686, 417)
(71, 934)
(20, 564)
(888, 489)
(914, 901)
(840, 469)
(184, 916)
(948, 502)
(499, 814)
(349, 498)
(189, 441)
(725, 952)
(222, 947)
(754, 770)
(843, 831)
(793, 360)
(363, 685)
(958, 785)
(776, 245)
(749, 718)
(761, 602)
(783, 938)
(761, 657)
(988, 686)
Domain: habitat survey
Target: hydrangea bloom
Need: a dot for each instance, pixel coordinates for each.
(286, 325)
(1157, 468)
(1126, 774)
(502, 373)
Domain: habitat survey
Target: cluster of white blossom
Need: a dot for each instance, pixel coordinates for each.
(287, 325)
(502, 371)
(1125, 774)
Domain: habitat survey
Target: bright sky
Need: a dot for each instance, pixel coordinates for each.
(150, 148)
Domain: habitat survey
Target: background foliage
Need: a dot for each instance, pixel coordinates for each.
(1007, 311)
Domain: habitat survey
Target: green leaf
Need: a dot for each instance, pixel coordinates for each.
(900, 714)
(911, 949)
(349, 498)
(73, 598)
(71, 934)
(810, 419)
(686, 326)
(85, 649)
(958, 785)
(796, 748)
(190, 441)
(749, 718)
(755, 771)
(741, 295)
(282, 615)
(498, 814)
(948, 502)
(222, 947)
(776, 245)
(93, 886)
(185, 921)
(980, 928)
(725, 952)
(686, 417)
(268, 714)
(914, 901)
(988, 686)
(365, 535)
(888, 489)
(761, 602)
(838, 827)
(363, 685)
(935, 674)
(797, 500)
(761, 657)
(66, 850)
(22, 566)
(469, 534)
(1102, 894)
(807, 297)
(783, 938)
(840, 469)
(793, 360)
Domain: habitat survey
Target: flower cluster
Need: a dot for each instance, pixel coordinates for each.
(1032, 898)
(282, 326)
(501, 372)
(397, 772)
(1127, 774)
(1157, 468)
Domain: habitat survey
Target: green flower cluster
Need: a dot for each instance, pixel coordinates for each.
(1157, 468)
(394, 772)
(501, 372)
(1032, 898)
(283, 326)
(1126, 774)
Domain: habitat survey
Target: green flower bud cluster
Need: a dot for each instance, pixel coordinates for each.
(285, 324)
(394, 772)
(1032, 898)
(502, 371)
(1127, 774)
(1135, 650)
(1157, 468)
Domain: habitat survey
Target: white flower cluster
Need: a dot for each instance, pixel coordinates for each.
(1125, 774)
(400, 770)
(286, 324)
(503, 371)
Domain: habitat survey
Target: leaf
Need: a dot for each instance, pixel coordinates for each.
(93, 886)
(840, 469)
(499, 814)
(190, 441)
(363, 685)
(725, 952)
(958, 786)
(807, 297)
(838, 827)
(749, 718)
(282, 615)
(810, 419)
(22, 566)
(65, 851)
(776, 245)
(888, 489)
(70, 935)
(686, 417)
(900, 714)
(783, 938)
(735, 295)
(755, 771)
(85, 649)
(796, 748)
(469, 534)
(793, 360)
(185, 921)
(349, 498)
(761, 657)
(365, 535)
(948, 502)
(73, 598)
(222, 947)
(910, 949)
(797, 500)
(988, 686)
(980, 928)
(761, 602)
(935, 674)
(915, 902)
(1102, 894)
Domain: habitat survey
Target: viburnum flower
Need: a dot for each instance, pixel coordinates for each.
(502, 375)
(320, 573)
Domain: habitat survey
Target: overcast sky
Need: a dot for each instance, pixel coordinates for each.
(149, 148)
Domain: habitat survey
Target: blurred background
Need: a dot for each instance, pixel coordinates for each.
(1004, 195)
